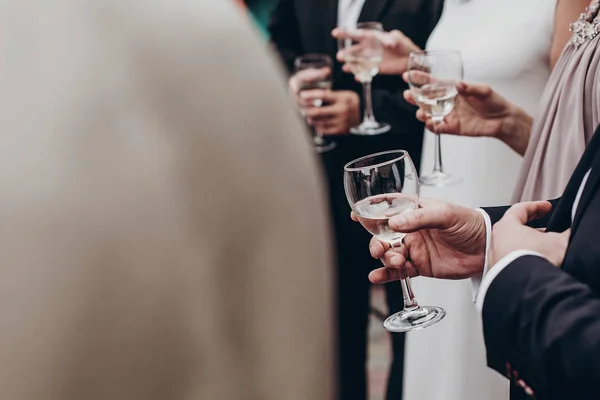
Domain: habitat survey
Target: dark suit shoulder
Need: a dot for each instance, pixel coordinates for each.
(541, 329)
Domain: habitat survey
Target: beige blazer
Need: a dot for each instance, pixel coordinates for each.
(162, 232)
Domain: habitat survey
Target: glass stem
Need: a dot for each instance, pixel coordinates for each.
(437, 166)
(367, 94)
(410, 302)
(318, 135)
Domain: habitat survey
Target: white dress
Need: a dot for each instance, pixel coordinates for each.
(506, 44)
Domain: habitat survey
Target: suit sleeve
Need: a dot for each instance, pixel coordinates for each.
(496, 214)
(285, 32)
(544, 325)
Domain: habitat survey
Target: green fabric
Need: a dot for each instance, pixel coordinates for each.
(261, 13)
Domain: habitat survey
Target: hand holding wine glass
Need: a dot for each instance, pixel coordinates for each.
(396, 48)
(363, 59)
(443, 241)
(432, 78)
(379, 187)
(479, 111)
(313, 72)
(339, 110)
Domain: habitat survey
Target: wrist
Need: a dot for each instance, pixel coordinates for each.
(516, 129)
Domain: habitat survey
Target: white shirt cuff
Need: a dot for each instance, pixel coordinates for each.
(488, 278)
(476, 280)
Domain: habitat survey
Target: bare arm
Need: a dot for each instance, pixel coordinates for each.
(516, 129)
(567, 11)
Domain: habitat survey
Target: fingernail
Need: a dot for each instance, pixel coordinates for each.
(395, 262)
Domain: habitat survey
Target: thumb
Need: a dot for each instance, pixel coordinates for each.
(422, 218)
(566, 234)
(474, 90)
(393, 38)
(528, 211)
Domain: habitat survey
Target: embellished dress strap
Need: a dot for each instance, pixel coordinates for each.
(587, 25)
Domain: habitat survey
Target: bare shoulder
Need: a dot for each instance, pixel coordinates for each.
(567, 11)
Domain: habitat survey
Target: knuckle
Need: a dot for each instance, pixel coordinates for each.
(445, 210)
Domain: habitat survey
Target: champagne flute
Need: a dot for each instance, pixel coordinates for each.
(364, 57)
(378, 187)
(313, 72)
(432, 78)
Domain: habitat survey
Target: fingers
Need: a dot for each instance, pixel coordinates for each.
(339, 33)
(437, 217)
(410, 97)
(566, 234)
(405, 77)
(422, 116)
(307, 98)
(528, 211)
(378, 248)
(417, 78)
(384, 275)
(437, 128)
(475, 90)
(394, 38)
(387, 274)
(440, 127)
(320, 114)
(331, 128)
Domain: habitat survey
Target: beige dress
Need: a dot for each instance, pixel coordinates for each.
(158, 195)
(569, 114)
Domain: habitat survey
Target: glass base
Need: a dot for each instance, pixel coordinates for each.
(405, 321)
(370, 128)
(323, 145)
(438, 178)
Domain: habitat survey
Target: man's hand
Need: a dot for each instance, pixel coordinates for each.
(396, 48)
(511, 233)
(339, 112)
(444, 241)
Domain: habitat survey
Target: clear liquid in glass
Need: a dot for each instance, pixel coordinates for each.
(375, 212)
(363, 68)
(435, 100)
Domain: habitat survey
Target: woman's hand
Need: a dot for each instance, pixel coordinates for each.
(479, 111)
(396, 48)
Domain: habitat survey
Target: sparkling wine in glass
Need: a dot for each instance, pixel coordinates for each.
(313, 72)
(432, 78)
(364, 57)
(379, 187)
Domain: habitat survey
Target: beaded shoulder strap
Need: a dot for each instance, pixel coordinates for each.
(587, 25)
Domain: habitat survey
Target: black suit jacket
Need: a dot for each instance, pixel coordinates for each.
(304, 26)
(542, 323)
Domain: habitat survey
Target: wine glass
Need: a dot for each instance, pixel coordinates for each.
(364, 57)
(432, 78)
(313, 71)
(378, 187)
